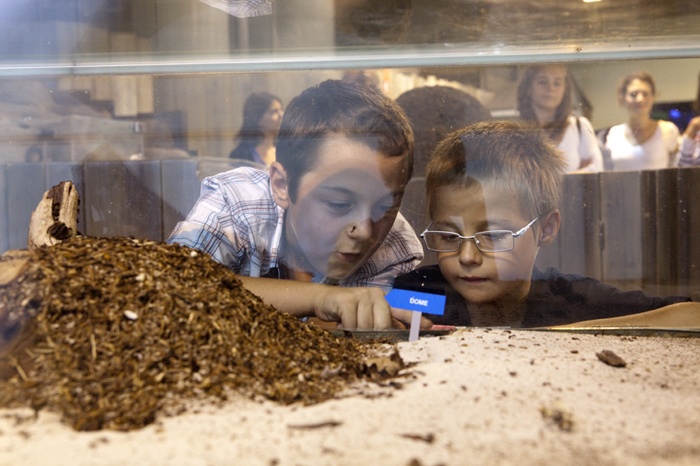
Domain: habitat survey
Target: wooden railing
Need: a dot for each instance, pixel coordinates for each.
(635, 230)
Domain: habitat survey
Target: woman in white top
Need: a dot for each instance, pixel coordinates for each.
(544, 97)
(641, 143)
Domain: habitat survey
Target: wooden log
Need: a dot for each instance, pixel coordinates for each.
(55, 218)
(12, 264)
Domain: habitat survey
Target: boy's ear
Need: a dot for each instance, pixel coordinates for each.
(550, 227)
(279, 185)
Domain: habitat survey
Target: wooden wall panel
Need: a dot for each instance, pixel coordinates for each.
(663, 232)
(4, 228)
(123, 199)
(180, 189)
(593, 225)
(692, 204)
(572, 235)
(621, 214)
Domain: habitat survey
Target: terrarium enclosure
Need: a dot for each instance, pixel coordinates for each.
(137, 101)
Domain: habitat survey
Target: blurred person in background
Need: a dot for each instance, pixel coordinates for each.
(262, 115)
(689, 154)
(544, 99)
(641, 143)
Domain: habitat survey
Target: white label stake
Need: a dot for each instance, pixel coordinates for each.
(415, 325)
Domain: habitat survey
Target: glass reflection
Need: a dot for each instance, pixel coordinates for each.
(91, 101)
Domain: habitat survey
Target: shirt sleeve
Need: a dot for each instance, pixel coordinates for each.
(671, 136)
(208, 227)
(689, 153)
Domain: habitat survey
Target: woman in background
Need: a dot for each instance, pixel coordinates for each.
(262, 114)
(641, 143)
(690, 144)
(544, 98)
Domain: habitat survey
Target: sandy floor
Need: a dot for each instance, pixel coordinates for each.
(474, 397)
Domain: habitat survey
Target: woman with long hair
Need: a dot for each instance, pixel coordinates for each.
(544, 98)
(262, 114)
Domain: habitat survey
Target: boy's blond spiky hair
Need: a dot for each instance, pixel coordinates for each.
(510, 155)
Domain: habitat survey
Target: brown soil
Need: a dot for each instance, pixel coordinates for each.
(111, 332)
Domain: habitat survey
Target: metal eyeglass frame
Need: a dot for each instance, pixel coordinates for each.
(517, 234)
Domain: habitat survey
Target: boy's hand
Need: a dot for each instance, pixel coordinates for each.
(404, 316)
(361, 308)
(693, 128)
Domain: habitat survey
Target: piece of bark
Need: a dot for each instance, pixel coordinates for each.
(11, 265)
(55, 218)
(611, 359)
(15, 327)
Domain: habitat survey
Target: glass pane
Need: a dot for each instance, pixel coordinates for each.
(126, 36)
(137, 102)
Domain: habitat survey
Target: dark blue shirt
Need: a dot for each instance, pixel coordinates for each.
(555, 298)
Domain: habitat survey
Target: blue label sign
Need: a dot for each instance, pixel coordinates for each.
(415, 301)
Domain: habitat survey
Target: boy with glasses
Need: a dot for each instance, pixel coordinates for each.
(493, 189)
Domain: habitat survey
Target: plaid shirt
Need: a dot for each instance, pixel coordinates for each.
(236, 221)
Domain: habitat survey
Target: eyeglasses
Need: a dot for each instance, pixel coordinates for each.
(486, 241)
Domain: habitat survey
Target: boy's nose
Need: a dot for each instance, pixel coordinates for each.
(468, 252)
(360, 229)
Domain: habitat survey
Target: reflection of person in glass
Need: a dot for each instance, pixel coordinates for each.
(327, 212)
(641, 143)
(493, 189)
(434, 112)
(262, 114)
(690, 143)
(544, 98)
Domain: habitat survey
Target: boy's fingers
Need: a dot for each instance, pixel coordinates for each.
(348, 320)
(405, 315)
(354, 308)
(373, 315)
(364, 315)
(382, 315)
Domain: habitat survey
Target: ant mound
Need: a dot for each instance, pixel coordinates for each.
(111, 332)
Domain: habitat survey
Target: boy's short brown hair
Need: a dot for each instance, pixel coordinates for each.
(334, 107)
(511, 155)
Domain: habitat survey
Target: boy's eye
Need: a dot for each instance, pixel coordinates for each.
(381, 210)
(494, 238)
(449, 237)
(339, 206)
